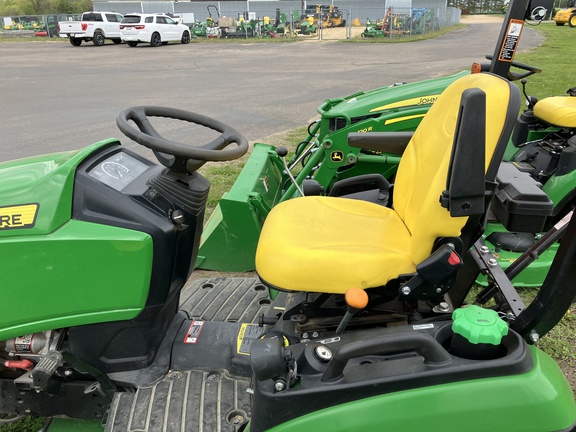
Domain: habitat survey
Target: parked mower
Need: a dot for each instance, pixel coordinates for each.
(209, 27)
(278, 27)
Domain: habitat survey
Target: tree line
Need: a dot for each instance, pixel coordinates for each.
(43, 7)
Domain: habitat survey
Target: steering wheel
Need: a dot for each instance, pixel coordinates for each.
(515, 76)
(174, 155)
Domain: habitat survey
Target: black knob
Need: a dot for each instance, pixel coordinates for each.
(281, 151)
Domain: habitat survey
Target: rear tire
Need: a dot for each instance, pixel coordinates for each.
(98, 39)
(185, 37)
(572, 21)
(155, 40)
(75, 42)
(132, 44)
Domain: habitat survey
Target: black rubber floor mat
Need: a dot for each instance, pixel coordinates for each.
(225, 299)
(191, 401)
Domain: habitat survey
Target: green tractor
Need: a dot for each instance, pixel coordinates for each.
(328, 163)
(360, 318)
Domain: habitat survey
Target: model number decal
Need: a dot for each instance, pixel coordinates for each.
(21, 216)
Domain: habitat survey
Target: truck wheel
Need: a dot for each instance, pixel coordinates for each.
(132, 43)
(572, 21)
(185, 37)
(98, 38)
(117, 41)
(155, 40)
(75, 42)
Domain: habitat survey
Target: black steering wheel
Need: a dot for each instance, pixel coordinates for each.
(230, 145)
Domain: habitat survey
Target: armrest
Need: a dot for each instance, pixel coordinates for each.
(383, 142)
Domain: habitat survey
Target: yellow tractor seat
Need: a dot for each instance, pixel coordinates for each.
(557, 110)
(330, 244)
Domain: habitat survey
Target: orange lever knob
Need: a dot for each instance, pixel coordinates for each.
(356, 298)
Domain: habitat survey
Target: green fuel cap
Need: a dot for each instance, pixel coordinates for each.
(478, 325)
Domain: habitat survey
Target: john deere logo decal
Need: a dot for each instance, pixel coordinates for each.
(337, 156)
(22, 216)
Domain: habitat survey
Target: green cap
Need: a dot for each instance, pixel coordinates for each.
(479, 325)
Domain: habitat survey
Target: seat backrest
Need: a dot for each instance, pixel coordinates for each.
(423, 169)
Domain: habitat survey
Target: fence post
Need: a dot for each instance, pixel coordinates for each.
(391, 16)
(349, 24)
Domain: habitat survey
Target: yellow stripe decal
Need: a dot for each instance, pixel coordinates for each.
(399, 119)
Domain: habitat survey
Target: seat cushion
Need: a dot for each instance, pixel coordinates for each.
(557, 110)
(301, 247)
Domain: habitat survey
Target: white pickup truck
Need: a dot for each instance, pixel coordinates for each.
(94, 26)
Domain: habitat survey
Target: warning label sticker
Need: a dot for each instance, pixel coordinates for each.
(511, 41)
(247, 333)
(193, 332)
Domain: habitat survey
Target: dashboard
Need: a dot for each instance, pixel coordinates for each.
(118, 170)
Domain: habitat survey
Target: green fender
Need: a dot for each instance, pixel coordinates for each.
(540, 400)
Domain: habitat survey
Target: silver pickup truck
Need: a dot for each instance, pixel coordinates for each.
(93, 26)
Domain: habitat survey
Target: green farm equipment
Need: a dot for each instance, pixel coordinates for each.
(418, 21)
(326, 163)
(278, 27)
(324, 156)
(360, 319)
(209, 27)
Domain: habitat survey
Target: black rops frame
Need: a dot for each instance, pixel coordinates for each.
(518, 12)
(554, 297)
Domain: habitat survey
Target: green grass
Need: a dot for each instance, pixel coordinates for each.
(556, 59)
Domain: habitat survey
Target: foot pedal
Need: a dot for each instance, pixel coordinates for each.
(45, 369)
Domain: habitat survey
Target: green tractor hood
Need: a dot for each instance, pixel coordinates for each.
(52, 264)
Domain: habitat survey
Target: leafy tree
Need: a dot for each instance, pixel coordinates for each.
(39, 7)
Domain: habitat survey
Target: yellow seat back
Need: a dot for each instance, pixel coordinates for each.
(423, 169)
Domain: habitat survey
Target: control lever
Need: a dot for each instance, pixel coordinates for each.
(282, 152)
(530, 100)
(356, 300)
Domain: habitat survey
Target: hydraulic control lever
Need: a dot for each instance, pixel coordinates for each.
(282, 152)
